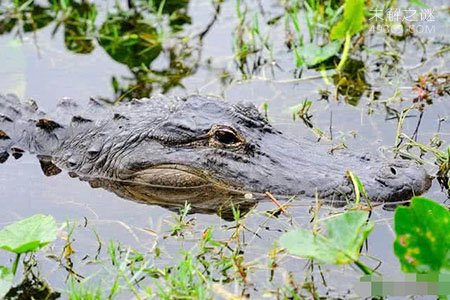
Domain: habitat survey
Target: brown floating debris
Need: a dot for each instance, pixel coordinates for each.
(274, 200)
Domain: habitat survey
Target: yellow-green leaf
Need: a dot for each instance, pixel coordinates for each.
(29, 234)
(352, 22)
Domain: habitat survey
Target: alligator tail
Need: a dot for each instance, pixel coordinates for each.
(23, 127)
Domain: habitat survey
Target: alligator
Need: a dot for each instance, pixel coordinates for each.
(202, 149)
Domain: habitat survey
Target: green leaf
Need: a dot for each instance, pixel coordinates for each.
(358, 186)
(418, 3)
(352, 21)
(345, 235)
(312, 54)
(422, 241)
(6, 281)
(29, 234)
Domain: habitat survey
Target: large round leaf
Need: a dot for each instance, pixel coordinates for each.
(29, 234)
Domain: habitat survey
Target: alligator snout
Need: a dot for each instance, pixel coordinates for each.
(399, 180)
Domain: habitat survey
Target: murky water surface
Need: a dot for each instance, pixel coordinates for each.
(38, 65)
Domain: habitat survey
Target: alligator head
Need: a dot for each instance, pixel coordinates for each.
(202, 141)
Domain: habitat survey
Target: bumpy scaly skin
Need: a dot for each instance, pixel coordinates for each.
(194, 142)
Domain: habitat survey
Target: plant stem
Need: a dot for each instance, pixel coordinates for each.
(348, 40)
(366, 270)
(15, 264)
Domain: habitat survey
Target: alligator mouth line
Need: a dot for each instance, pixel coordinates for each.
(178, 176)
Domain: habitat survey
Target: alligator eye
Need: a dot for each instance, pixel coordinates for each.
(226, 137)
(222, 135)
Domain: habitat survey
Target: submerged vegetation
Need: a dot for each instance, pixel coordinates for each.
(355, 53)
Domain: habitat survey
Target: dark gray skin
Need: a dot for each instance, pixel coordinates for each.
(198, 147)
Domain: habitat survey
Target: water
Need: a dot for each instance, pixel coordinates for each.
(38, 66)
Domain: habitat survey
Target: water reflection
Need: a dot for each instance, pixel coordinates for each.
(32, 287)
(351, 81)
(205, 200)
(24, 16)
(135, 36)
(129, 39)
(79, 25)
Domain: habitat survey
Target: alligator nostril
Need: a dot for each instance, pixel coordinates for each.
(393, 171)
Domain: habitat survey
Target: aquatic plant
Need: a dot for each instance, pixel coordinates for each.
(422, 242)
(24, 236)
